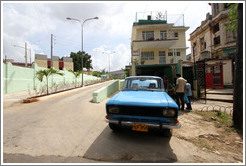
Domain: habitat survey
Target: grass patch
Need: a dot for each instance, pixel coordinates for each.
(221, 120)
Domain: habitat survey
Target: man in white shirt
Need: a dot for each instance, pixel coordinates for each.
(179, 90)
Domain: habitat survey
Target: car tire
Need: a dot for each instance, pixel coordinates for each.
(114, 127)
(166, 132)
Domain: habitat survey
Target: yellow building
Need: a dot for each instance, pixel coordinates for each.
(155, 41)
(66, 62)
(41, 60)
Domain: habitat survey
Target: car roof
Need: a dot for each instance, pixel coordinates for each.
(144, 77)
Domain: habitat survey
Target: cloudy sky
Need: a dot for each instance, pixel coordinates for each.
(34, 22)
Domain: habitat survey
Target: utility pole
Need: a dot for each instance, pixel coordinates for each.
(25, 54)
(109, 63)
(51, 54)
(30, 57)
(238, 73)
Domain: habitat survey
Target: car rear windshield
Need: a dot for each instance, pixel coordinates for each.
(143, 83)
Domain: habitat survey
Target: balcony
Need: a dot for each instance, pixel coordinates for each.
(157, 43)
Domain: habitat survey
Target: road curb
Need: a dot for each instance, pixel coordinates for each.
(57, 94)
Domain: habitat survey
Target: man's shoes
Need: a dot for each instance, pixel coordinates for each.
(188, 109)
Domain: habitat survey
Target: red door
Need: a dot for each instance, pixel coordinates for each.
(209, 77)
(214, 76)
(218, 77)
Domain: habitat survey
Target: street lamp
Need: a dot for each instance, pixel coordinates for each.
(108, 60)
(82, 25)
(25, 52)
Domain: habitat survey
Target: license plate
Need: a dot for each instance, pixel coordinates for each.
(139, 127)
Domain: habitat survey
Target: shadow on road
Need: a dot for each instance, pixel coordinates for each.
(129, 146)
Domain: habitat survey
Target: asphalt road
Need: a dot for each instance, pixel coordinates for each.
(71, 129)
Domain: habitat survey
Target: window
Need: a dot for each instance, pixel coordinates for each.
(163, 35)
(230, 36)
(194, 48)
(217, 40)
(147, 55)
(162, 57)
(216, 28)
(202, 44)
(148, 35)
(216, 8)
(175, 34)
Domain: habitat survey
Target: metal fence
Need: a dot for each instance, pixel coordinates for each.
(176, 19)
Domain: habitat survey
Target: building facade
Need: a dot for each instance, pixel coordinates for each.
(212, 43)
(66, 62)
(155, 41)
(41, 60)
(211, 40)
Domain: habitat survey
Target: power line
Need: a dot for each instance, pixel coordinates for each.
(41, 18)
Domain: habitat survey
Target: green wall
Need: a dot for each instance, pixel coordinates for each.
(16, 79)
(107, 91)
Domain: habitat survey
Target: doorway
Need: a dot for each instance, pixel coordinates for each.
(214, 76)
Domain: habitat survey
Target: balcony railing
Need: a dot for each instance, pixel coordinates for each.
(159, 17)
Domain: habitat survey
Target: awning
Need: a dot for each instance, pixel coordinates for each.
(216, 64)
(229, 50)
(156, 65)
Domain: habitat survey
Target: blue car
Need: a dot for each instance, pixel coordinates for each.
(142, 105)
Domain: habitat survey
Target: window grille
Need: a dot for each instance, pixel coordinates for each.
(163, 35)
(148, 35)
(147, 55)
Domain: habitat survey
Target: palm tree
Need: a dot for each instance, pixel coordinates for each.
(46, 73)
(76, 74)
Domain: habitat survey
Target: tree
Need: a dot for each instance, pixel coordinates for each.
(76, 75)
(87, 62)
(233, 16)
(46, 73)
(127, 72)
(238, 73)
(96, 73)
(115, 76)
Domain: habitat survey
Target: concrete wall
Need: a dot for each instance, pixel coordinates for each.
(107, 91)
(16, 79)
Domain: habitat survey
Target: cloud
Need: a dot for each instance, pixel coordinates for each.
(35, 22)
(118, 60)
(16, 50)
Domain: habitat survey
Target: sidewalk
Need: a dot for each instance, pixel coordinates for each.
(14, 98)
(17, 98)
(224, 95)
(211, 105)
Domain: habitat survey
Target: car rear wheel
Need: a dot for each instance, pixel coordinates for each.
(114, 127)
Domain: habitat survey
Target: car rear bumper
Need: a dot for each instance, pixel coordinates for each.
(152, 125)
